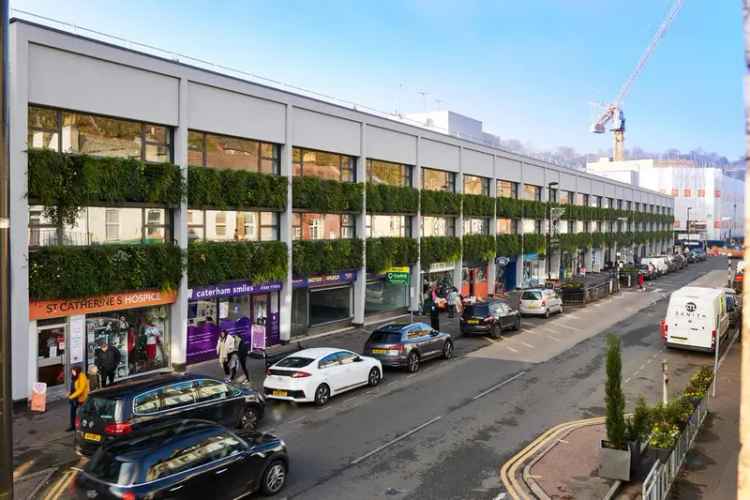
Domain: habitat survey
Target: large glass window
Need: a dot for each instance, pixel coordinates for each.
(232, 153)
(221, 225)
(476, 185)
(381, 296)
(101, 225)
(315, 226)
(438, 180)
(507, 226)
(476, 226)
(580, 200)
(438, 226)
(331, 166)
(531, 192)
(71, 132)
(507, 189)
(379, 226)
(565, 197)
(385, 172)
(595, 201)
(330, 305)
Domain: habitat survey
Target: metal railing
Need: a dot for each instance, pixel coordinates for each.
(663, 474)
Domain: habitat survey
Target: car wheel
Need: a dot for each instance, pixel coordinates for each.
(373, 378)
(322, 394)
(412, 362)
(274, 478)
(546, 313)
(448, 350)
(250, 418)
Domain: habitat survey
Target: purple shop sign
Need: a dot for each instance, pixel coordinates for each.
(325, 280)
(231, 289)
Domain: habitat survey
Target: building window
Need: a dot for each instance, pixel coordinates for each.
(564, 197)
(380, 226)
(438, 226)
(476, 185)
(385, 172)
(619, 204)
(507, 189)
(330, 166)
(438, 180)
(112, 224)
(232, 153)
(315, 226)
(229, 225)
(507, 226)
(580, 200)
(531, 192)
(629, 205)
(476, 226)
(586, 200)
(595, 201)
(96, 135)
(552, 195)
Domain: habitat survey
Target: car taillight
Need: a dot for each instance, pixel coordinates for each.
(78, 422)
(268, 372)
(300, 374)
(128, 495)
(118, 429)
(544, 302)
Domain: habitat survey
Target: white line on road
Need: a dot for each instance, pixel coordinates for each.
(296, 420)
(527, 345)
(395, 440)
(497, 386)
(511, 349)
(572, 316)
(560, 325)
(627, 380)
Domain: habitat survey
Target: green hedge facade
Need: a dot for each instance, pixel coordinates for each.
(440, 203)
(439, 249)
(477, 205)
(211, 262)
(508, 245)
(478, 248)
(383, 253)
(320, 195)
(385, 199)
(62, 272)
(235, 189)
(509, 208)
(326, 256)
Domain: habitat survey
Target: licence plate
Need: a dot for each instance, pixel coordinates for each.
(281, 394)
(532, 306)
(379, 351)
(92, 437)
(473, 322)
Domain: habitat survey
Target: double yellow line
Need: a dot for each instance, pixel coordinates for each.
(509, 471)
(56, 490)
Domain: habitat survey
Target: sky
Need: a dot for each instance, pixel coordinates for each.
(530, 70)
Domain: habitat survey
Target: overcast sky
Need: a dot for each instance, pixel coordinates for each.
(528, 69)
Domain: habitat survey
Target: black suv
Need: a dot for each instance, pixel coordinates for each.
(123, 408)
(490, 317)
(185, 459)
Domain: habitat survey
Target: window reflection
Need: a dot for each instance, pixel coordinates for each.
(229, 225)
(317, 226)
(380, 226)
(507, 226)
(232, 153)
(330, 166)
(438, 226)
(507, 189)
(392, 174)
(476, 226)
(438, 180)
(531, 192)
(476, 185)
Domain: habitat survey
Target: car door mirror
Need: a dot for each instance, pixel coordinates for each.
(358, 359)
(434, 333)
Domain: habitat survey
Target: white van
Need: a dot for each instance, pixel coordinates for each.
(695, 316)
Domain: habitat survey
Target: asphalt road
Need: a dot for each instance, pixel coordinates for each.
(444, 432)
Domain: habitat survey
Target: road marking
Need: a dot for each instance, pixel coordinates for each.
(497, 386)
(490, 340)
(649, 361)
(572, 316)
(627, 380)
(566, 327)
(527, 345)
(511, 349)
(562, 441)
(555, 339)
(641, 367)
(296, 420)
(394, 441)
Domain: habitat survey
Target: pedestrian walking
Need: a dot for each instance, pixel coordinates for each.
(225, 347)
(641, 280)
(452, 296)
(79, 392)
(242, 352)
(434, 317)
(107, 359)
(458, 303)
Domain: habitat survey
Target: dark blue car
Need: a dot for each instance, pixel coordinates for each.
(407, 345)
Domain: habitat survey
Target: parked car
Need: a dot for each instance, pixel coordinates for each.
(185, 459)
(408, 344)
(490, 317)
(539, 301)
(696, 318)
(734, 307)
(659, 264)
(119, 410)
(681, 260)
(648, 271)
(700, 254)
(672, 264)
(314, 375)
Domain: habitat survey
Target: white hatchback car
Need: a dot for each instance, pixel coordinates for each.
(540, 301)
(314, 375)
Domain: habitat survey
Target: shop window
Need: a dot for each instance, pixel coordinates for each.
(507, 189)
(476, 226)
(392, 174)
(217, 225)
(232, 153)
(531, 192)
(330, 166)
(316, 226)
(381, 296)
(476, 185)
(330, 305)
(96, 135)
(379, 226)
(438, 226)
(438, 180)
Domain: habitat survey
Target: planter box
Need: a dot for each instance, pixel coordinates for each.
(614, 463)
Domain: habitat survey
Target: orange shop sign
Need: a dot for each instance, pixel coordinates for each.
(103, 303)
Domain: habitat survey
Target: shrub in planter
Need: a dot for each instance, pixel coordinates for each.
(477, 205)
(615, 455)
(235, 189)
(439, 249)
(478, 248)
(383, 253)
(320, 195)
(664, 435)
(382, 198)
(440, 202)
(326, 256)
(509, 208)
(212, 262)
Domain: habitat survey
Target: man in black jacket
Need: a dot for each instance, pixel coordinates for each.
(107, 360)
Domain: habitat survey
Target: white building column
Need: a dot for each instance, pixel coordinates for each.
(360, 283)
(285, 229)
(555, 260)
(492, 266)
(415, 279)
(588, 260)
(458, 271)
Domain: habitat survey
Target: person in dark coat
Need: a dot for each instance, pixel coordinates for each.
(107, 360)
(434, 316)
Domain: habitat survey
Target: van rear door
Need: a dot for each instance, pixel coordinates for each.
(690, 322)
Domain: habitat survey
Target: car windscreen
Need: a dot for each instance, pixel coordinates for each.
(294, 362)
(379, 337)
(104, 409)
(531, 296)
(477, 310)
(112, 469)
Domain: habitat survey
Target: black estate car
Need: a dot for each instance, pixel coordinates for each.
(185, 459)
(490, 317)
(121, 409)
(407, 345)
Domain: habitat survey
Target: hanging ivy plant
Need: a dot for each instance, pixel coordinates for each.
(385, 199)
(235, 189)
(477, 205)
(64, 183)
(62, 272)
(509, 208)
(534, 243)
(383, 253)
(507, 245)
(534, 209)
(439, 249)
(598, 240)
(478, 248)
(211, 262)
(440, 203)
(326, 256)
(320, 195)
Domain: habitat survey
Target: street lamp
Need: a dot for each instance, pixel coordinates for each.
(688, 223)
(549, 229)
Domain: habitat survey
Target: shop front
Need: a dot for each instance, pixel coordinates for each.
(322, 300)
(386, 293)
(242, 308)
(505, 275)
(534, 272)
(438, 277)
(475, 283)
(70, 332)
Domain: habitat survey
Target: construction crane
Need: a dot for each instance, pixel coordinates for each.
(613, 112)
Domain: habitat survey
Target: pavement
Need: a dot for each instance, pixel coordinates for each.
(444, 432)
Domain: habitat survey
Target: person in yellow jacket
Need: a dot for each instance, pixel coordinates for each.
(79, 392)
